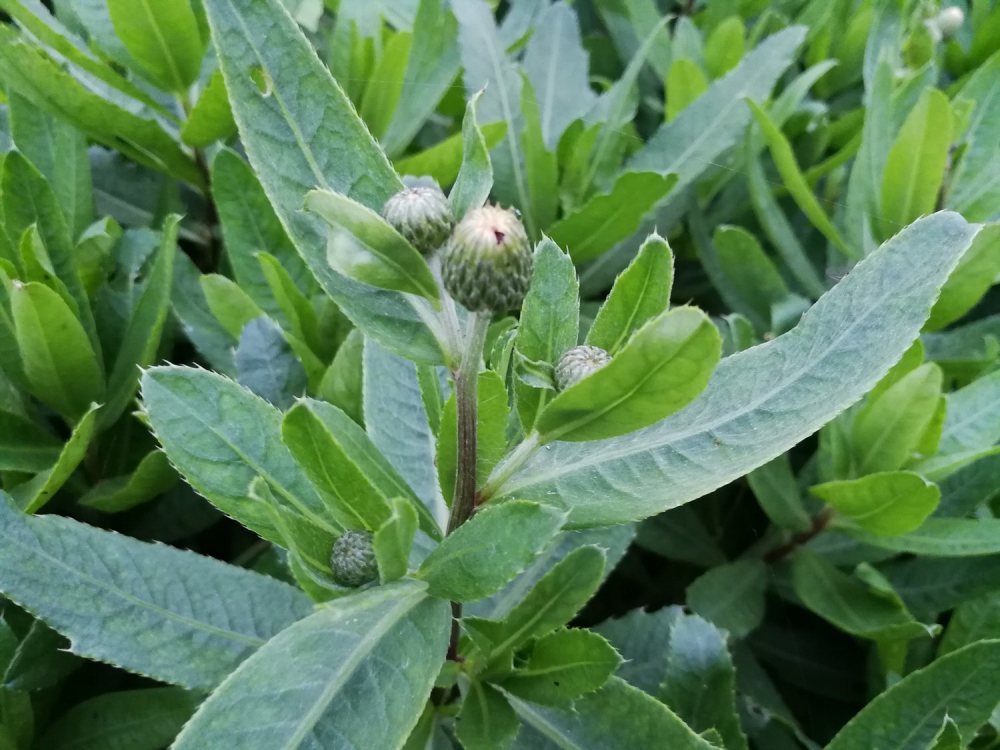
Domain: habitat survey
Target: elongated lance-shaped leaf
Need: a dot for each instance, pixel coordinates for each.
(762, 401)
(163, 37)
(171, 615)
(354, 675)
(475, 177)
(961, 685)
(301, 132)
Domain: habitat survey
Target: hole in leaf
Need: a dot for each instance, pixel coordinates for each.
(261, 80)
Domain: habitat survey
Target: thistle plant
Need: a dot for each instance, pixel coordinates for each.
(471, 401)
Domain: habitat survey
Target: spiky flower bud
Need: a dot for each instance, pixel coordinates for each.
(487, 263)
(422, 215)
(353, 559)
(577, 363)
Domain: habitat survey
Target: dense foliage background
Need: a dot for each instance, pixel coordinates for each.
(156, 157)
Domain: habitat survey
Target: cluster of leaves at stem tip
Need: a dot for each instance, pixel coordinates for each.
(468, 375)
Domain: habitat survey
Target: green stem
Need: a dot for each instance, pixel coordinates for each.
(466, 380)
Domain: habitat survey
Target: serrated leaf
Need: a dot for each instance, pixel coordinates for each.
(220, 437)
(699, 683)
(489, 550)
(909, 714)
(259, 41)
(301, 690)
(886, 504)
(563, 665)
(640, 293)
(764, 400)
(662, 368)
(116, 599)
(363, 246)
(617, 715)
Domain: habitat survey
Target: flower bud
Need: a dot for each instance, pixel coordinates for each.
(353, 559)
(577, 363)
(487, 263)
(949, 21)
(422, 215)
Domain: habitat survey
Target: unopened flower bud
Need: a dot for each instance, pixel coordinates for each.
(353, 559)
(487, 263)
(422, 215)
(949, 21)
(577, 363)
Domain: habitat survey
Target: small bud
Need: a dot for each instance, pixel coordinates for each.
(577, 363)
(949, 21)
(422, 215)
(487, 263)
(353, 559)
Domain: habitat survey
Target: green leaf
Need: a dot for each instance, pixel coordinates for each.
(250, 227)
(145, 719)
(25, 445)
(444, 161)
(121, 124)
(549, 323)
(41, 661)
(889, 428)
(211, 117)
(885, 504)
(363, 246)
(397, 425)
(141, 339)
(764, 400)
(643, 639)
(849, 603)
(267, 365)
(117, 601)
(475, 178)
(259, 42)
(486, 552)
(915, 166)
(341, 385)
(163, 37)
(685, 83)
(393, 540)
(220, 437)
(640, 293)
(556, 64)
(431, 69)
(751, 279)
(973, 620)
(554, 600)
(541, 166)
(37, 491)
(386, 84)
(563, 665)
(795, 181)
(617, 715)
(970, 281)
(975, 176)
(609, 218)
(61, 367)
(353, 500)
(302, 689)
(699, 681)
(961, 686)
(724, 46)
(230, 305)
(943, 537)
(153, 476)
(731, 596)
(59, 151)
(776, 489)
(486, 720)
(688, 145)
(662, 368)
